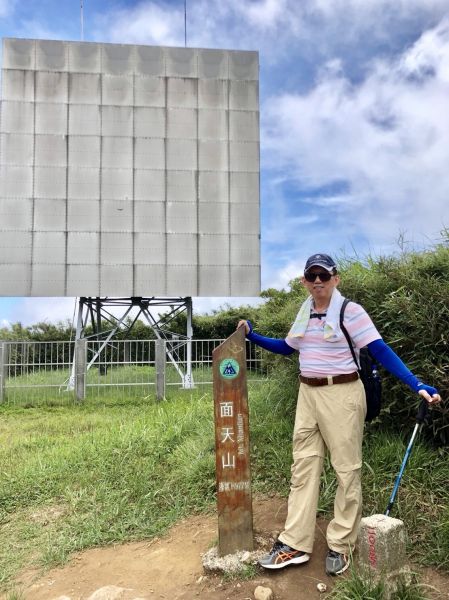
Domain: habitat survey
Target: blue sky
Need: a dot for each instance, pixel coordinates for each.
(354, 115)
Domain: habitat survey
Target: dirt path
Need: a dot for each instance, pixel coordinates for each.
(171, 569)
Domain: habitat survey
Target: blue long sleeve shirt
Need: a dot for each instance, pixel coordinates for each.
(380, 351)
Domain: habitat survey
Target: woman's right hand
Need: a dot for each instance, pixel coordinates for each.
(244, 323)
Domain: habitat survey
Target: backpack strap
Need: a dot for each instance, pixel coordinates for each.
(345, 331)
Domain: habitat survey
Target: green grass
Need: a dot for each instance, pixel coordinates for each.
(117, 468)
(356, 587)
(49, 387)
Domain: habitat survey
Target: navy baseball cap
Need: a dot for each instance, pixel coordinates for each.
(321, 260)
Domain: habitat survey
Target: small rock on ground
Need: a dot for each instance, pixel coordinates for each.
(108, 592)
(263, 593)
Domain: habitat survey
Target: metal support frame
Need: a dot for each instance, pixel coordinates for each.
(98, 311)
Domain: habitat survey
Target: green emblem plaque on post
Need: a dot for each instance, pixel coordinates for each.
(235, 516)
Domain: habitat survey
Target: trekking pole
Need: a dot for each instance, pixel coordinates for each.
(422, 411)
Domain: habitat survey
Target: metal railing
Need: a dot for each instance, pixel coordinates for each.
(42, 372)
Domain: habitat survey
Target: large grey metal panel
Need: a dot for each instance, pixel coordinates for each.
(117, 90)
(149, 217)
(213, 249)
(48, 280)
(83, 277)
(213, 217)
(181, 155)
(149, 153)
(150, 279)
(213, 63)
(182, 93)
(84, 119)
(181, 217)
(213, 186)
(16, 182)
(244, 95)
(243, 65)
(50, 182)
(213, 155)
(15, 279)
(182, 123)
(149, 185)
(83, 184)
(116, 249)
(149, 122)
(181, 62)
(213, 93)
(244, 126)
(50, 151)
(115, 280)
(83, 248)
(214, 280)
(244, 280)
(149, 91)
(244, 187)
(117, 152)
(244, 156)
(84, 151)
(245, 250)
(85, 88)
(150, 60)
(117, 184)
(117, 120)
(16, 214)
(182, 277)
(49, 247)
(117, 216)
(17, 117)
(135, 167)
(212, 124)
(51, 87)
(181, 186)
(19, 54)
(150, 249)
(50, 214)
(83, 216)
(84, 57)
(182, 249)
(51, 118)
(244, 218)
(17, 149)
(15, 247)
(51, 55)
(18, 85)
(117, 59)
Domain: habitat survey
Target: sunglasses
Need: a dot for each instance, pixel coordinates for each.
(323, 275)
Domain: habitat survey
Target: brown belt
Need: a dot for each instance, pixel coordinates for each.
(346, 378)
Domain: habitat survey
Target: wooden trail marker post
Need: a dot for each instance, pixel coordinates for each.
(235, 515)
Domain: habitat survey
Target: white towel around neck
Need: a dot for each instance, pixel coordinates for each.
(332, 323)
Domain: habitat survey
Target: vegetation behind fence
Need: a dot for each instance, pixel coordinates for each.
(44, 371)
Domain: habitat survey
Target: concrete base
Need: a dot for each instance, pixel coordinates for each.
(381, 551)
(231, 563)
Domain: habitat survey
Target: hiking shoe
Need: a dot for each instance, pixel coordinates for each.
(336, 563)
(282, 555)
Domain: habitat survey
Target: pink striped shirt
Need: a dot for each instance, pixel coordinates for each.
(319, 357)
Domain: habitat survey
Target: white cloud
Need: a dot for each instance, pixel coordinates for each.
(147, 23)
(386, 138)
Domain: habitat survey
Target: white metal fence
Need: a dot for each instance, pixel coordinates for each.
(42, 372)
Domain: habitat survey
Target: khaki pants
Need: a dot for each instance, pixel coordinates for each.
(329, 416)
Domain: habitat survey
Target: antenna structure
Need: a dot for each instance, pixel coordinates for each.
(82, 19)
(185, 23)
